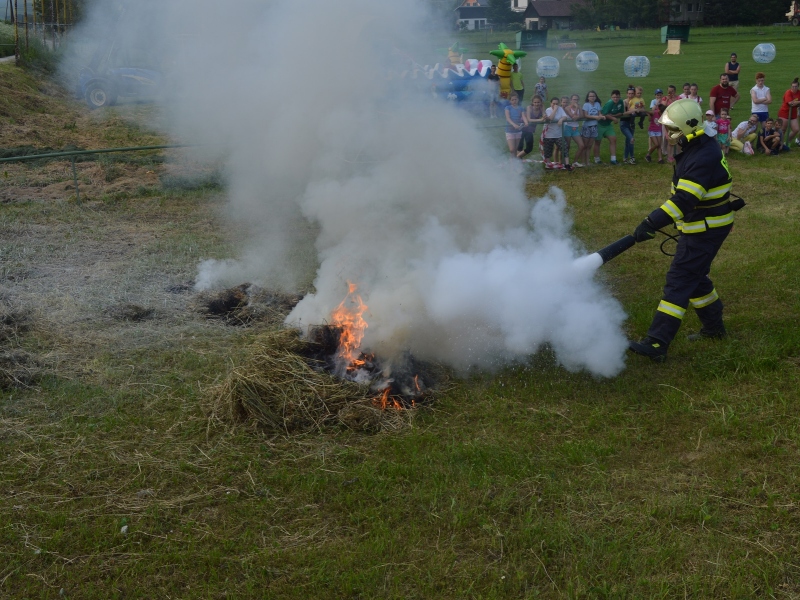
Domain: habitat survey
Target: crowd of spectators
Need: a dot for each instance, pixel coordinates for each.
(570, 124)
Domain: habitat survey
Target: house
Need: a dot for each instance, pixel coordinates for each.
(472, 14)
(549, 14)
(520, 5)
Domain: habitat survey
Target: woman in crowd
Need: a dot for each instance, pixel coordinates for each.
(760, 98)
(553, 133)
(515, 121)
(788, 113)
(572, 128)
(591, 114)
(534, 114)
(627, 124)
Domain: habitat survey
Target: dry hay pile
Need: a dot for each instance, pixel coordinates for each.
(17, 367)
(245, 304)
(278, 389)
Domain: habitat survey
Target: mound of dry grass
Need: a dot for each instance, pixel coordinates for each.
(245, 304)
(277, 388)
(17, 369)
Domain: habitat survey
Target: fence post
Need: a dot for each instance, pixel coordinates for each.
(75, 178)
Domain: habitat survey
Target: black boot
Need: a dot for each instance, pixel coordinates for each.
(655, 349)
(708, 334)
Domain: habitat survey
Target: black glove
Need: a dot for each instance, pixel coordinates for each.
(645, 231)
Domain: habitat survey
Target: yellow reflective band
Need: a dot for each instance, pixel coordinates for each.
(705, 300)
(672, 189)
(673, 310)
(718, 192)
(672, 210)
(693, 227)
(720, 221)
(702, 206)
(693, 188)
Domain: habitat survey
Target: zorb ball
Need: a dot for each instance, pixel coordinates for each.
(764, 53)
(637, 66)
(547, 66)
(587, 61)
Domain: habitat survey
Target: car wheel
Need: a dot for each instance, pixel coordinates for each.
(99, 94)
(794, 21)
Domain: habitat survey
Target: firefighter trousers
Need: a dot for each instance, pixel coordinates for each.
(688, 283)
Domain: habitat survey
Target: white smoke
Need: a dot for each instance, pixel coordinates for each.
(397, 192)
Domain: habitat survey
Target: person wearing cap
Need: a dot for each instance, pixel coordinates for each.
(710, 125)
(657, 100)
(700, 209)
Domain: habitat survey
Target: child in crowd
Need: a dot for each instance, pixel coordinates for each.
(638, 104)
(572, 128)
(654, 131)
(592, 113)
(611, 112)
(709, 125)
(541, 89)
(515, 121)
(553, 133)
(557, 152)
(769, 140)
(724, 131)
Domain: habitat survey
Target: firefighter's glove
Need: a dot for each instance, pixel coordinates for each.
(645, 231)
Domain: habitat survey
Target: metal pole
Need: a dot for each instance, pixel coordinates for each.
(75, 177)
(16, 30)
(34, 17)
(52, 12)
(58, 25)
(65, 16)
(25, 6)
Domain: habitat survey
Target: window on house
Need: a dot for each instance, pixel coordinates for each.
(689, 8)
(699, 7)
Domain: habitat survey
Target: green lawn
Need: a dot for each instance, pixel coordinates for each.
(679, 480)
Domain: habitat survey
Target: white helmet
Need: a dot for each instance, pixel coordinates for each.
(682, 118)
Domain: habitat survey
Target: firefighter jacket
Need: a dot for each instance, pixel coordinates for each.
(701, 187)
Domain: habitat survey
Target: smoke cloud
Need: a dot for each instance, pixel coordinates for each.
(338, 173)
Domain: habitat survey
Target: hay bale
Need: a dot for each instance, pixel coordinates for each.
(278, 389)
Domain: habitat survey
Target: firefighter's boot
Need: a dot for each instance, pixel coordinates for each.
(654, 349)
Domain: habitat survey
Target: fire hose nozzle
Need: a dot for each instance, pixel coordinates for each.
(617, 248)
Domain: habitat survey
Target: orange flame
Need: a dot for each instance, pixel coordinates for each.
(348, 318)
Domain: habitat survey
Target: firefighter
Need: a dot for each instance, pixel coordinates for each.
(702, 212)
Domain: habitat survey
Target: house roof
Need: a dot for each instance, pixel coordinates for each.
(472, 12)
(550, 8)
(473, 4)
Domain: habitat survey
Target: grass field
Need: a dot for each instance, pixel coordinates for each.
(679, 480)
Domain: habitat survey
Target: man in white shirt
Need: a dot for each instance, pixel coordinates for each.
(744, 132)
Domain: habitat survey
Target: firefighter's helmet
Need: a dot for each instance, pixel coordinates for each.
(682, 118)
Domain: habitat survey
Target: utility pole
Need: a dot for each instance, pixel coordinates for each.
(25, 19)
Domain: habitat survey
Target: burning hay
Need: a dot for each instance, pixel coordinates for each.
(279, 389)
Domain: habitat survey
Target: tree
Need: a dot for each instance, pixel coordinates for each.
(500, 13)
